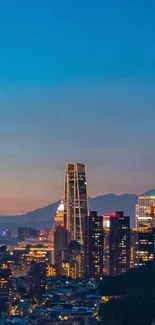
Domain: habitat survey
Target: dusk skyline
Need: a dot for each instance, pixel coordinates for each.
(77, 83)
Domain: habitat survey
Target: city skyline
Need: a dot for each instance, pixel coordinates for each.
(45, 202)
(77, 84)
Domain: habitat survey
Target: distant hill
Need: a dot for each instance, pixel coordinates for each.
(110, 202)
(103, 204)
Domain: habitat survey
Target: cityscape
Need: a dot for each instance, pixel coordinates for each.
(77, 162)
(59, 274)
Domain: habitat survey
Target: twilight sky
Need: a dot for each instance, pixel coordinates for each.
(77, 83)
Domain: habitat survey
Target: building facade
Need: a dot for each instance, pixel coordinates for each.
(37, 278)
(144, 217)
(93, 245)
(133, 246)
(75, 200)
(117, 243)
(72, 263)
(61, 239)
(106, 230)
(38, 251)
(144, 245)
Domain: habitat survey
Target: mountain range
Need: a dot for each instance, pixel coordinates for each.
(103, 204)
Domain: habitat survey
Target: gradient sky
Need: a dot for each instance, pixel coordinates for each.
(77, 83)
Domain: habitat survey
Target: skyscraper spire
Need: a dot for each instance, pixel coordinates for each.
(59, 216)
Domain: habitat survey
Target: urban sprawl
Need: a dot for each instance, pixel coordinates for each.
(54, 275)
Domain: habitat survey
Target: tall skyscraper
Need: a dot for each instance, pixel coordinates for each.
(93, 245)
(117, 243)
(75, 200)
(143, 244)
(106, 229)
(143, 211)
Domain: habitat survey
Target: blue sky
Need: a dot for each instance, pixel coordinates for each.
(77, 82)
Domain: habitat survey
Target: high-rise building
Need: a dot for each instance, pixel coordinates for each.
(37, 278)
(117, 243)
(119, 239)
(144, 245)
(93, 245)
(59, 216)
(61, 240)
(152, 215)
(106, 228)
(134, 246)
(72, 263)
(143, 211)
(6, 290)
(75, 200)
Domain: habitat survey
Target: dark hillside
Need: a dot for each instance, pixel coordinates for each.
(137, 305)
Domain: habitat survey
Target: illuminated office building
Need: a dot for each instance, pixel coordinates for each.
(12, 262)
(134, 246)
(116, 243)
(72, 263)
(93, 245)
(144, 246)
(5, 282)
(136, 250)
(106, 229)
(151, 213)
(61, 240)
(34, 250)
(50, 270)
(59, 216)
(119, 244)
(6, 289)
(144, 217)
(75, 200)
